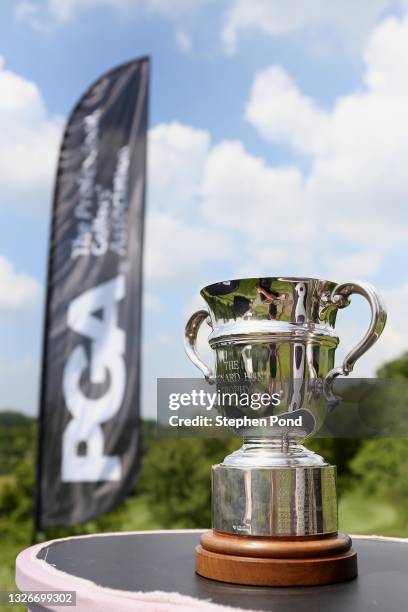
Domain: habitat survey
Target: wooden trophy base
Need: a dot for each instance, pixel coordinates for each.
(296, 561)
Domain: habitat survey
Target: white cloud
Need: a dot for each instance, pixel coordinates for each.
(61, 11)
(183, 41)
(276, 18)
(176, 250)
(271, 256)
(26, 11)
(357, 150)
(176, 156)
(242, 192)
(362, 265)
(281, 113)
(338, 218)
(29, 143)
(171, 8)
(178, 243)
(17, 290)
(384, 75)
(49, 13)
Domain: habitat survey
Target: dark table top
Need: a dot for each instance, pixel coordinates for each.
(164, 561)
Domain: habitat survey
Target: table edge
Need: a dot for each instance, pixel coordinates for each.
(36, 574)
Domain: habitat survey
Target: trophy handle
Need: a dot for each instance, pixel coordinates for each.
(190, 338)
(340, 299)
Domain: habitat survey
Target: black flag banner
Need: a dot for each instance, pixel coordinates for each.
(88, 444)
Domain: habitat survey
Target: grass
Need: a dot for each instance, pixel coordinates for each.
(134, 515)
(367, 516)
(8, 552)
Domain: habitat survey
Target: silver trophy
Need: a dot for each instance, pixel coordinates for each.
(276, 335)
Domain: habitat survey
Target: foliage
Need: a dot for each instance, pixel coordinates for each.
(17, 440)
(338, 452)
(381, 467)
(395, 369)
(176, 476)
(361, 514)
(16, 494)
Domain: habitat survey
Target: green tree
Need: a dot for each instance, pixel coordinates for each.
(176, 477)
(395, 369)
(380, 467)
(338, 452)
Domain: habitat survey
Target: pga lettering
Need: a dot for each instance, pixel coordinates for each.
(106, 362)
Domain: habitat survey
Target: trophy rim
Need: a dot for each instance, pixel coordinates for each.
(295, 279)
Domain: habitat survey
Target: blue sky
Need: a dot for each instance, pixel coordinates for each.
(278, 146)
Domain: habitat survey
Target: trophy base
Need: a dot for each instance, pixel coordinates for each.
(265, 561)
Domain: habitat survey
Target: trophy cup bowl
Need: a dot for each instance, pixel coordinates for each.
(274, 502)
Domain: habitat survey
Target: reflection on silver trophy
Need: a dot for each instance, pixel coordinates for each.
(276, 335)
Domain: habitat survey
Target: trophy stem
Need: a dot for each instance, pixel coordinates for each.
(278, 451)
